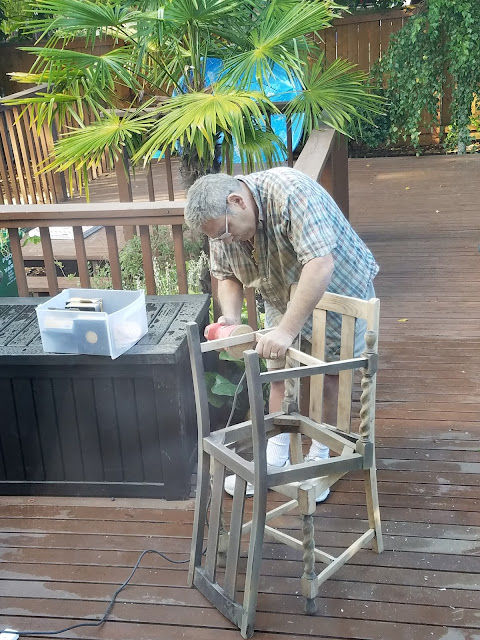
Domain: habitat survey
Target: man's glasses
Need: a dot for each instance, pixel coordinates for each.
(226, 235)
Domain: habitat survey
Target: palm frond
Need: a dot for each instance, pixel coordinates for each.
(82, 17)
(83, 148)
(259, 150)
(199, 118)
(272, 40)
(203, 12)
(334, 96)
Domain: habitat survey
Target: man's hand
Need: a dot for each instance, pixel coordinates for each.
(225, 320)
(229, 320)
(274, 344)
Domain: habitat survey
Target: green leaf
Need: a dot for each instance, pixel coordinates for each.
(197, 118)
(336, 95)
(223, 387)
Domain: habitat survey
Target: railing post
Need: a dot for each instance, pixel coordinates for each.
(334, 176)
(58, 177)
(124, 184)
(18, 263)
(340, 174)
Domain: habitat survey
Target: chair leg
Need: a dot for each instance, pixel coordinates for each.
(373, 507)
(254, 561)
(200, 517)
(296, 454)
(307, 506)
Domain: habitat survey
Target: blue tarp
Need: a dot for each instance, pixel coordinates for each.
(278, 88)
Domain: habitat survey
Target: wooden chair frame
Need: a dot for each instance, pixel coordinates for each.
(301, 482)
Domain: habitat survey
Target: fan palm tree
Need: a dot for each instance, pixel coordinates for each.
(161, 53)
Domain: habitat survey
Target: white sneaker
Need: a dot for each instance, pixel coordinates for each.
(229, 484)
(308, 458)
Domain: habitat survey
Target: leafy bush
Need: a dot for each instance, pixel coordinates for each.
(162, 49)
(381, 5)
(373, 134)
(165, 270)
(438, 47)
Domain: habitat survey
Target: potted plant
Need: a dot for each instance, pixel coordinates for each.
(160, 55)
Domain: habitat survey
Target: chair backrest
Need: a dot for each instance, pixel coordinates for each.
(350, 310)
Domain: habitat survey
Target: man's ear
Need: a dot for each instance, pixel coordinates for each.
(236, 198)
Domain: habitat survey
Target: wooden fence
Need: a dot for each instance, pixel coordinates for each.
(23, 149)
(362, 38)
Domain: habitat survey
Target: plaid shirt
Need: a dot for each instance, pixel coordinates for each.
(298, 221)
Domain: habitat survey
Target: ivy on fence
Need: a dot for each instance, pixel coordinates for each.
(437, 49)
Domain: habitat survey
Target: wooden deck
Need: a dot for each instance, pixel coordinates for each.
(62, 559)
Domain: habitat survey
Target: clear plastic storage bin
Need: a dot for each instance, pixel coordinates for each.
(110, 332)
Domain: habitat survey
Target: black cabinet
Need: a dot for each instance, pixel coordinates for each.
(92, 426)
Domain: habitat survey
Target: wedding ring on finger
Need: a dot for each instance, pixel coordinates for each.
(273, 356)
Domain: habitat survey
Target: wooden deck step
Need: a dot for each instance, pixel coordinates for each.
(39, 284)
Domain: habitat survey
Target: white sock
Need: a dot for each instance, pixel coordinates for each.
(318, 450)
(278, 448)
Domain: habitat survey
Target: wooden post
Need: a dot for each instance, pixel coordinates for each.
(49, 260)
(18, 265)
(81, 255)
(340, 174)
(150, 186)
(112, 246)
(124, 185)
(147, 259)
(335, 174)
(251, 308)
(179, 252)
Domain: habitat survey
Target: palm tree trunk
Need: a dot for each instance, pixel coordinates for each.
(192, 167)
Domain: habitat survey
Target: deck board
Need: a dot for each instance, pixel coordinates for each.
(62, 558)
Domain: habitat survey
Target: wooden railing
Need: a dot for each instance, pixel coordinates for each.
(324, 158)
(24, 152)
(23, 149)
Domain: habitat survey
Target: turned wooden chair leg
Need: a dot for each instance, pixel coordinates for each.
(309, 584)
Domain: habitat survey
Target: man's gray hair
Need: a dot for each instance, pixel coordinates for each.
(207, 198)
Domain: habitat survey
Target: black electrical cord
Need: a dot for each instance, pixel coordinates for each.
(234, 401)
(98, 623)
